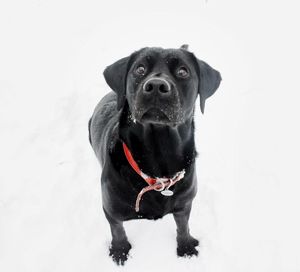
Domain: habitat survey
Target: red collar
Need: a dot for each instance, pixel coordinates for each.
(157, 184)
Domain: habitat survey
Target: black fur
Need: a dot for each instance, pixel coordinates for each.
(158, 128)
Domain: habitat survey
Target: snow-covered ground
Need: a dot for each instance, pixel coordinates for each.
(52, 54)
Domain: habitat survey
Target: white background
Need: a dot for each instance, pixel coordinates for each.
(52, 54)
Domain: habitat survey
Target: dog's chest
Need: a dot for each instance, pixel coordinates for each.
(154, 205)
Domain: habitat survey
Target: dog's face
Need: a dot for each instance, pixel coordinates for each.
(161, 85)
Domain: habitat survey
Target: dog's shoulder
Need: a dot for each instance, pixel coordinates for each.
(102, 122)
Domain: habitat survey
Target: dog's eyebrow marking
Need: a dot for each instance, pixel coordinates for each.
(145, 58)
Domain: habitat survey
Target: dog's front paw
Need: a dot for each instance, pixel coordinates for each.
(186, 247)
(120, 252)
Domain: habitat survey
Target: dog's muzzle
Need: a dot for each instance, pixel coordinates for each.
(157, 101)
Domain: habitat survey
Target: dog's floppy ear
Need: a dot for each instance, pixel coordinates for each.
(209, 81)
(115, 76)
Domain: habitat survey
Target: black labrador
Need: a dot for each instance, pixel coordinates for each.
(143, 136)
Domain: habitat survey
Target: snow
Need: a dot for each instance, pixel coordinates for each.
(246, 213)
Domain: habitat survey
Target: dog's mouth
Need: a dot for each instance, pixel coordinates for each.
(155, 115)
(158, 114)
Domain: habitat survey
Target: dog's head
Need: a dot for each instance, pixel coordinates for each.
(161, 85)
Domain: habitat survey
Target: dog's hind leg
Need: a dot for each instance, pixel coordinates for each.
(185, 242)
(120, 246)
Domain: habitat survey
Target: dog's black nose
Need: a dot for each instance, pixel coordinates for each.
(157, 84)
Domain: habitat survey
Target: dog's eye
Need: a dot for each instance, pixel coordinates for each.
(182, 72)
(140, 70)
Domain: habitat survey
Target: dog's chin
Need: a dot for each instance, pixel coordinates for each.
(155, 116)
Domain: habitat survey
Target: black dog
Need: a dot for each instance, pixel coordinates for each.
(143, 135)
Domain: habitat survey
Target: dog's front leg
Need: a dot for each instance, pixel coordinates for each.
(120, 246)
(185, 242)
